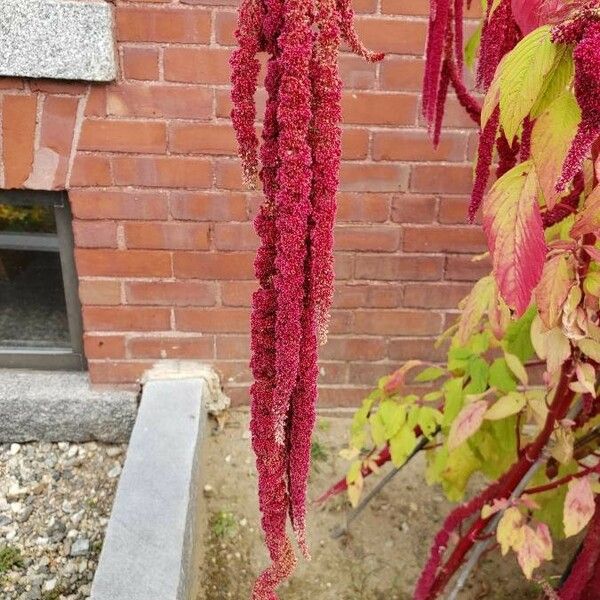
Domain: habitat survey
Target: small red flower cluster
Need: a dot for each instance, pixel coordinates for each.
(583, 30)
(300, 157)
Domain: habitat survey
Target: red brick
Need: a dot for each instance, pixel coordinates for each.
(197, 65)
(171, 293)
(163, 25)
(397, 322)
(235, 236)
(454, 210)
(199, 347)
(217, 320)
(124, 136)
(163, 171)
(464, 268)
(415, 145)
(166, 236)
(407, 208)
(198, 265)
(399, 37)
(92, 204)
(229, 174)
(402, 73)
(357, 73)
(19, 114)
(371, 108)
(223, 103)
(342, 321)
(369, 208)
(434, 295)
(440, 238)
(201, 138)
(99, 291)
(355, 144)
(208, 206)
(52, 86)
(125, 318)
(368, 238)
(407, 348)
(95, 234)
(123, 263)
(448, 179)
(233, 346)
(96, 101)
(344, 265)
(225, 24)
(232, 371)
(117, 372)
(51, 160)
(12, 83)
(140, 63)
(90, 171)
(367, 177)
(333, 372)
(159, 100)
(369, 373)
(237, 293)
(391, 268)
(360, 295)
(339, 396)
(104, 346)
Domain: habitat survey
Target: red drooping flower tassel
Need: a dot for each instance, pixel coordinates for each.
(584, 30)
(300, 157)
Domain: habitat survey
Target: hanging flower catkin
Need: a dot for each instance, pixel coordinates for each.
(299, 171)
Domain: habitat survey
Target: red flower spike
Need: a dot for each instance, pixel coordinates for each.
(485, 155)
(300, 156)
(346, 17)
(244, 75)
(586, 57)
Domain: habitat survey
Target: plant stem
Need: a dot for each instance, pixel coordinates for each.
(509, 482)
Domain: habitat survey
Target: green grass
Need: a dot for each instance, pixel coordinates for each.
(10, 557)
(223, 524)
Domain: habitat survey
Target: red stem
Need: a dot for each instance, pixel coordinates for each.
(531, 453)
(550, 486)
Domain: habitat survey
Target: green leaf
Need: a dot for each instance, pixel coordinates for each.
(402, 445)
(478, 372)
(501, 376)
(517, 368)
(557, 81)
(523, 76)
(506, 406)
(472, 47)
(551, 139)
(518, 338)
(454, 399)
(590, 348)
(430, 374)
(378, 432)
(428, 420)
(393, 417)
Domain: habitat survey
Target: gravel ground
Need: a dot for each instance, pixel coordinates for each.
(55, 500)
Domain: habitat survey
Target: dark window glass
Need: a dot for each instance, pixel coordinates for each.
(33, 310)
(40, 314)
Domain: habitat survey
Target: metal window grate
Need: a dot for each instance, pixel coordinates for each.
(40, 312)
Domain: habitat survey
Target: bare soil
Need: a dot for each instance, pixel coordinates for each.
(379, 559)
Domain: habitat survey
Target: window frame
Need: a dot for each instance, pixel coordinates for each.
(62, 243)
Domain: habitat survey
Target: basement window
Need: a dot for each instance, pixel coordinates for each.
(40, 313)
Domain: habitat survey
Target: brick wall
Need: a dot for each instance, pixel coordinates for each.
(163, 227)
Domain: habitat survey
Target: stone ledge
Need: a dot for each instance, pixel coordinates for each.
(61, 406)
(59, 39)
(150, 547)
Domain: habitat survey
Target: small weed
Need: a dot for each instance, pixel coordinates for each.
(55, 594)
(10, 557)
(318, 453)
(323, 425)
(223, 524)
